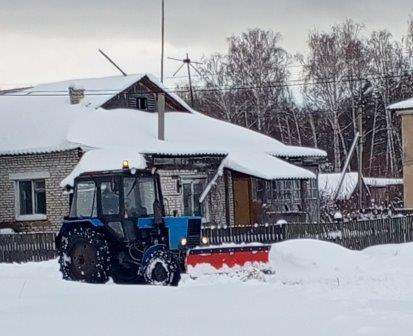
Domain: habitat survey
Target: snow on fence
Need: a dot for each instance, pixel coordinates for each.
(354, 234)
(25, 247)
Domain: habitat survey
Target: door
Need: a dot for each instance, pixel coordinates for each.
(109, 205)
(242, 200)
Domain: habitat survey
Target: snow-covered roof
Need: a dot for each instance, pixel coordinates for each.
(245, 151)
(97, 90)
(41, 119)
(256, 164)
(328, 184)
(185, 134)
(36, 124)
(264, 166)
(382, 181)
(105, 159)
(402, 105)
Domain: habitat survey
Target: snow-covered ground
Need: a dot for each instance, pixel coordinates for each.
(318, 289)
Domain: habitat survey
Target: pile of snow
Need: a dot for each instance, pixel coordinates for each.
(318, 289)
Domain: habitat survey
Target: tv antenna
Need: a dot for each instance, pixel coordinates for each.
(112, 62)
(188, 62)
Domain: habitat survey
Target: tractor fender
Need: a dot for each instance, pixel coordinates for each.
(147, 255)
(75, 223)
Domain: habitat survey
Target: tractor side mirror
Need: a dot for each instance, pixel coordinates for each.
(69, 188)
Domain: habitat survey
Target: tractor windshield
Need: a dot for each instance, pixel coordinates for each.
(139, 193)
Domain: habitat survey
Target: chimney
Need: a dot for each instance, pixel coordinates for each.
(76, 94)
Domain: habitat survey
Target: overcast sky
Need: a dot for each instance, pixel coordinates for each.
(47, 40)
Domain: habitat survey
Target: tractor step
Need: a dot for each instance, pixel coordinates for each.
(221, 256)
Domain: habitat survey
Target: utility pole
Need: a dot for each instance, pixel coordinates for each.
(161, 95)
(189, 65)
(360, 151)
(162, 37)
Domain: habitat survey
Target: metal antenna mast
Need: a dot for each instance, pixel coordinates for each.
(161, 95)
(189, 65)
(112, 62)
(162, 37)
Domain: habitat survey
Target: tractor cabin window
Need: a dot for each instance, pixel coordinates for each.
(84, 202)
(109, 196)
(139, 193)
(31, 199)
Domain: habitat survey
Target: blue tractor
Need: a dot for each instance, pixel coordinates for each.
(117, 228)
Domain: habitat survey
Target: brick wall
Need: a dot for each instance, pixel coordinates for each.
(58, 165)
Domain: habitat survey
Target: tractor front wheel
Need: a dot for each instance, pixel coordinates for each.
(162, 269)
(84, 256)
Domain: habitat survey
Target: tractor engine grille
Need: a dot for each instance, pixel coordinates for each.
(194, 232)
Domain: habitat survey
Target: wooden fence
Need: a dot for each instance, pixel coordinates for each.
(25, 247)
(353, 234)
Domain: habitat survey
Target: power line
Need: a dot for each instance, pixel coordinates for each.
(290, 83)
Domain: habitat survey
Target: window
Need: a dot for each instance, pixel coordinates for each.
(84, 202)
(297, 190)
(31, 198)
(258, 187)
(142, 103)
(109, 196)
(192, 191)
(139, 196)
(312, 189)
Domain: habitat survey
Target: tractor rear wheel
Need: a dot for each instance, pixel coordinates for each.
(162, 269)
(84, 256)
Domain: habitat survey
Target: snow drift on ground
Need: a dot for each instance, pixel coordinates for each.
(318, 289)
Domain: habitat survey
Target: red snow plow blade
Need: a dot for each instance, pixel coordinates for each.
(219, 257)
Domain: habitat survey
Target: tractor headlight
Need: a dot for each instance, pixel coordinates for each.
(204, 240)
(184, 241)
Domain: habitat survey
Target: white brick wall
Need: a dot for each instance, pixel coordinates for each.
(58, 165)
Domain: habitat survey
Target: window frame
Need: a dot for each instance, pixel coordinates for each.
(94, 212)
(33, 216)
(204, 207)
(144, 99)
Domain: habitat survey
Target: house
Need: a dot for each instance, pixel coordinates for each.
(51, 132)
(405, 110)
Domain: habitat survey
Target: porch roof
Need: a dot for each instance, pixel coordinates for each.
(264, 166)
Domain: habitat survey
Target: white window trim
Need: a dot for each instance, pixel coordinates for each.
(29, 176)
(34, 217)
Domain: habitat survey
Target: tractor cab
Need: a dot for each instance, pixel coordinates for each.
(117, 227)
(118, 200)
